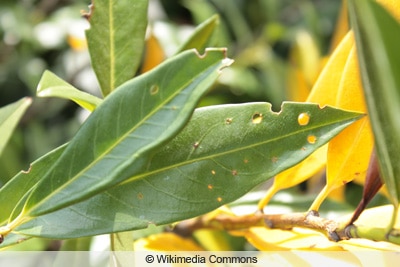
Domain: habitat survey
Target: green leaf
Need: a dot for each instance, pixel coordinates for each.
(200, 39)
(9, 118)
(118, 138)
(50, 85)
(222, 153)
(116, 40)
(13, 191)
(16, 188)
(377, 36)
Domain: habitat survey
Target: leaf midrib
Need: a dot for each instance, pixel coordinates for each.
(210, 157)
(112, 46)
(118, 141)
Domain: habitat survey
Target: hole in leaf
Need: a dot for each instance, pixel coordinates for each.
(257, 118)
(311, 139)
(213, 172)
(154, 89)
(228, 121)
(303, 119)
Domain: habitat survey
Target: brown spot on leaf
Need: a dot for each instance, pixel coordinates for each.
(88, 15)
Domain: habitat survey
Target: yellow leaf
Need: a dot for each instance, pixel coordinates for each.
(349, 152)
(325, 89)
(324, 92)
(392, 6)
(339, 85)
(166, 242)
(154, 54)
(296, 174)
(266, 239)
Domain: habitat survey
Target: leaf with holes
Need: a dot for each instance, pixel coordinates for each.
(222, 153)
(117, 140)
(116, 40)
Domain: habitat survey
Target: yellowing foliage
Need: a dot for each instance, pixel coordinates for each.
(339, 85)
(166, 242)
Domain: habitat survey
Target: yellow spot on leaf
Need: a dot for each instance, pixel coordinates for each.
(257, 118)
(219, 199)
(154, 89)
(311, 139)
(303, 119)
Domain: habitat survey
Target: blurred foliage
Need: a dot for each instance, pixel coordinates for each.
(34, 37)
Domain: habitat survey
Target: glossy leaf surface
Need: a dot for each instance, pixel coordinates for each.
(116, 40)
(117, 139)
(220, 155)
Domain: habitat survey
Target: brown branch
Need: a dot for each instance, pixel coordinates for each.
(310, 220)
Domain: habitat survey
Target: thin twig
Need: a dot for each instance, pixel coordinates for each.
(310, 220)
